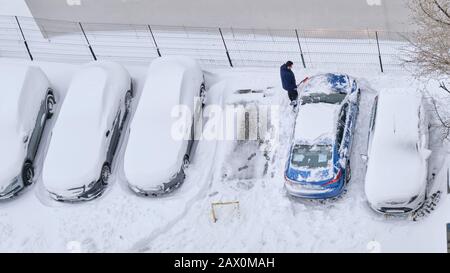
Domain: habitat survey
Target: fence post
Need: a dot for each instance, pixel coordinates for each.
(300, 47)
(226, 49)
(379, 52)
(23, 37)
(154, 41)
(87, 41)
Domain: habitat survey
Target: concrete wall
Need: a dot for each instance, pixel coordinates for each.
(335, 14)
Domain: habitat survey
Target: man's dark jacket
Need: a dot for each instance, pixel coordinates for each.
(287, 78)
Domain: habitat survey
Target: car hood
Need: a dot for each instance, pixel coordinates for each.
(395, 177)
(152, 156)
(72, 163)
(12, 156)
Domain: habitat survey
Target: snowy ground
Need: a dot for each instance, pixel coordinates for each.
(266, 220)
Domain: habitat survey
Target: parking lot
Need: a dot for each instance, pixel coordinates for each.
(266, 219)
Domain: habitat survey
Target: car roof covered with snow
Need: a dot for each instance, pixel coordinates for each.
(328, 83)
(78, 143)
(153, 154)
(315, 123)
(396, 169)
(24, 88)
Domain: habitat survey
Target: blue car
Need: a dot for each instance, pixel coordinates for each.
(318, 166)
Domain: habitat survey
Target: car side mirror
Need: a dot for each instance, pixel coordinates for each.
(364, 158)
(107, 133)
(426, 153)
(25, 139)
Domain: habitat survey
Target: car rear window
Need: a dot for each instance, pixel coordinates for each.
(311, 156)
(333, 98)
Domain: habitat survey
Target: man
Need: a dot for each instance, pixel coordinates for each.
(288, 81)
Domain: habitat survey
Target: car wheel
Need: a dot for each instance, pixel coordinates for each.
(348, 172)
(202, 94)
(186, 162)
(50, 105)
(105, 174)
(27, 173)
(128, 98)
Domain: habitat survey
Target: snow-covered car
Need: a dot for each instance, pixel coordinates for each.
(87, 132)
(396, 178)
(318, 166)
(25, 107)
(155, 160)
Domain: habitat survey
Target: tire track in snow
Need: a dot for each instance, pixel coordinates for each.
(143, 245)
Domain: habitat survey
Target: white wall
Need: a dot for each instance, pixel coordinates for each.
(14, 7)
(334, 14)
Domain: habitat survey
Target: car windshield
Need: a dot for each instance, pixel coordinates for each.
(311, 156)
(333, 98)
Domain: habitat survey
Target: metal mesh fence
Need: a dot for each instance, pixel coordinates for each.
(52, 40)
(11, 43)
(63, 41)
(203, 44)
(122, 43)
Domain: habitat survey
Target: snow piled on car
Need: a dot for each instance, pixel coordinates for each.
(397, 168)
(328, 83)
(156, 148)
(316, 123)
(79, 134)
(24, 87)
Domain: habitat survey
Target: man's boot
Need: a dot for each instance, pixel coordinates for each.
(294, 105)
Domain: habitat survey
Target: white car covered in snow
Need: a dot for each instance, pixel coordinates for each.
(27, 103)
(156, 159)
(396, 178)
(86, 135)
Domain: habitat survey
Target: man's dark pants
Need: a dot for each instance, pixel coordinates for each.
(293, 95)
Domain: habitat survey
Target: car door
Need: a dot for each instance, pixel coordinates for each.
(423, 128)
(373, 117)
(196, 121)
(34, 137)
(113, 136)
(348, 130)
(342, 130)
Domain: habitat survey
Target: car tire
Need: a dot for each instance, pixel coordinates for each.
(50, 105)
(202, 94)
(348, 172)
(27, 173)
(128, 99)
(105, 174)
(186, 162)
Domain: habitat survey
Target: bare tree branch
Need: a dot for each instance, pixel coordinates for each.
(442, 9)
(430, 44)
(443, 86)
(431, 16)
(429, 50)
